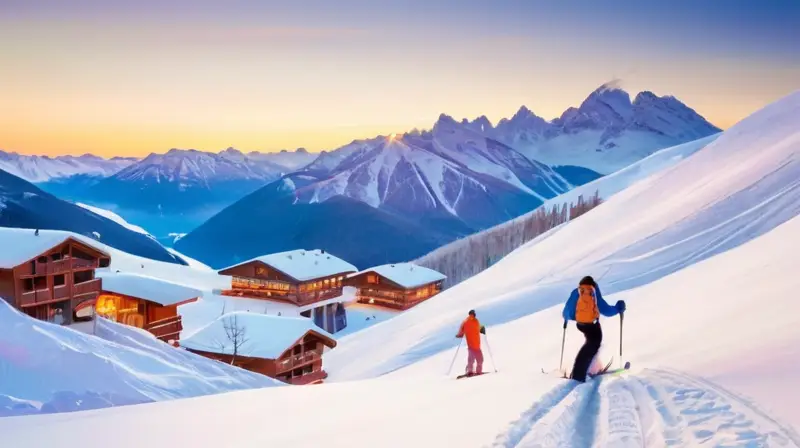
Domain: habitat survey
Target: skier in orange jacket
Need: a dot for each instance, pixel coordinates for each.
(472, 329)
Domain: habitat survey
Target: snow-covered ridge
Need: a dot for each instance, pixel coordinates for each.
(49, 368)
(114, 217)
(198, 168)
(43, 168)
(605, 133)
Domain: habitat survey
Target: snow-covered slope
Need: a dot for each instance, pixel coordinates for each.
(651, 407)
(738, 187)
(698, 337)
(57, 369)
(43, 168)
(114, 217)
(466, 257)
(605, 133)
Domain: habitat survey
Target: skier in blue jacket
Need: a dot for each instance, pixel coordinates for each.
(584, 306)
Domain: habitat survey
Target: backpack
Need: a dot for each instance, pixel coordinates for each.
(586, 310)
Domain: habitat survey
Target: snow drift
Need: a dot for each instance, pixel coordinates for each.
(47, 368)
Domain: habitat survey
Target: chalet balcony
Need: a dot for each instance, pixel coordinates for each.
(295, 361)
(166, 329)
(58, 266)
(92, 286)
(299, 299)
(34, 297)
(60, 292)
(308, 378)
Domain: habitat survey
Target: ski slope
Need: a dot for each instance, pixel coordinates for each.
(736, 188)
(518, 406)
(704, 254)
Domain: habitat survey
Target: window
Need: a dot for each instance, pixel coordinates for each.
(40, 283)
(59, 280)
(56, 256)
(41, 260)
(82, 276)
(27, 285)
(372, 278)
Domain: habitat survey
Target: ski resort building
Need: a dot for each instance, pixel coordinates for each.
(311, 280)
(143, 302)
(288, 349)
(48, 274)
(398, 286)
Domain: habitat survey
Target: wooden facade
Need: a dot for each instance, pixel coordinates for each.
(375, 289)
(256, 279)
(55, 283)
(163, 321)
(299, 364)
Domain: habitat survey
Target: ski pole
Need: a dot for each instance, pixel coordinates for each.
(563, 339)
(454, 357)
(489, 347)
(621, 318)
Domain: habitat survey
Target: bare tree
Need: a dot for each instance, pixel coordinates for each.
(236, 334)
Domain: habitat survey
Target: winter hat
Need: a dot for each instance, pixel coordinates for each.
(471, 312)
(588, 280)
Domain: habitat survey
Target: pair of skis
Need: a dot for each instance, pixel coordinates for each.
(607, 370)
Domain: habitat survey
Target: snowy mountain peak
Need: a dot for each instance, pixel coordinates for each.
(44, 168)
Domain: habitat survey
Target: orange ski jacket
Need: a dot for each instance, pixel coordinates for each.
(471, 328)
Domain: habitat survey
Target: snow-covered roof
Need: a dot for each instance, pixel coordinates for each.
(149, 288)
(407, 275)
(264, 336)
(303, 265)
(20, 245)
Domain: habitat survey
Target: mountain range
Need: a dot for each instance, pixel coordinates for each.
(451, 180)
(444, 183)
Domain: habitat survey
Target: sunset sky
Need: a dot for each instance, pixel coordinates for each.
(135, 77)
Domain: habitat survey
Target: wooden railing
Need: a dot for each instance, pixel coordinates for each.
(58, 266)
(60, 292)
(297, 361)
(166, 329)
(308, 378)
(86, 287)
(34, 297)
(299, 299)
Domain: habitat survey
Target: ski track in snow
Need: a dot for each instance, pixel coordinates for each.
(649, 409)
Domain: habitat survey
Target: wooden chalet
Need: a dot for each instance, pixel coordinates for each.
(288, 349)
(299, 277)
(399, 286)
(143, 302)
(48, 274)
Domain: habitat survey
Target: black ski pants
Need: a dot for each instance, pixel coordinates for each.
(594, 337)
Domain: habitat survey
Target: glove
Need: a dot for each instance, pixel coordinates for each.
(620, 306)
(483, 329)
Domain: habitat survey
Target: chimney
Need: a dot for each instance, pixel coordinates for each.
(323, 251)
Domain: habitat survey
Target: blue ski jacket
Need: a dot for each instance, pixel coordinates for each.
(602, 306)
